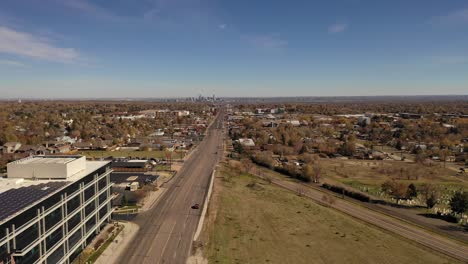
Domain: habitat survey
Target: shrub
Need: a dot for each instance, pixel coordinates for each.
(355, 195)
(98, 243)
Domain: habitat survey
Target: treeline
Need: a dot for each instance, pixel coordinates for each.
(291, 170)
(355, 195)
(35, 122)
(334, 108)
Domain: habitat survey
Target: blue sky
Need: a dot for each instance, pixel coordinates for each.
(165, 48)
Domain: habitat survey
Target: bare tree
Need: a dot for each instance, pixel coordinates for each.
(317, 172)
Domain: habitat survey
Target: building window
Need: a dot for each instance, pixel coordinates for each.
(102, 198)
(53, 218)
(3, 253)
(27, 237)
(53, 238)
(72, 188)
(90, 224)
(22, 219)
(52, 201)
(74, 238)
(102, 183)
(89, 209)
(56, 256)
(89, 193)
(102, 212)
(30, 257)
(73, 203)
(74, 221)
(88, 179)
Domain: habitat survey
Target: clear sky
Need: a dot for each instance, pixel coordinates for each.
(165, 48)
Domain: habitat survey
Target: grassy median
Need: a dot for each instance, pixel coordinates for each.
(251, 221)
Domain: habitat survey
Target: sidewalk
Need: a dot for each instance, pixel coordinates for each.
(152, 198)
(120, 243)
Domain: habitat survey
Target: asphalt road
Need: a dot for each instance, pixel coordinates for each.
(166, 230)
(430, 240)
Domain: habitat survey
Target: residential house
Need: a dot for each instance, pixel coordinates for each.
(66, 139)
(247, 142)
(32, 149)
(295, 123)
(11, 147)
(84, 145)
(59, 149)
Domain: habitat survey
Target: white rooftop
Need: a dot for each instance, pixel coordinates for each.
(10, 183)
(42, 160)
(46, 167)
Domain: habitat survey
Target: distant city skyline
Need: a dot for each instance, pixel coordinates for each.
(181, 48)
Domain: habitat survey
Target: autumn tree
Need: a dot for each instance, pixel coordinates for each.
(395, 189)
(312, 172)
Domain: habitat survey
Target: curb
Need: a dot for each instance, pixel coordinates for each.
(205, 207)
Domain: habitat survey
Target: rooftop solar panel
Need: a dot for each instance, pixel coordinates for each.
(14, 200)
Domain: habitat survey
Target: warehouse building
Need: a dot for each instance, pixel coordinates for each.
(51, 207)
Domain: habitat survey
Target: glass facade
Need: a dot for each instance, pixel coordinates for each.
(53, 238)
(73, 203)
(59, 219)
(102, 198)
(74, 221)
(74, 238)
(27, 237)
(89, 192)
(53, 218)
(56, 256)
(30, 257)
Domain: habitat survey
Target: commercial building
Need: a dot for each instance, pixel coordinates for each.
(51, 207)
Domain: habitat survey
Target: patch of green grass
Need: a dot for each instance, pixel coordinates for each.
(267, 224)
(162, 167)
(368, 188)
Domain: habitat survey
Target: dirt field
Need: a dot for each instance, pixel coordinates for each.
(251, 221)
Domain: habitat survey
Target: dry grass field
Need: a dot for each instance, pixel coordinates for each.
(251, 221)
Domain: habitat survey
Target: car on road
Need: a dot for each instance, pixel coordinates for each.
(196, 206)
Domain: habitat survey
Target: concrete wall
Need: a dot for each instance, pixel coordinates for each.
(76, 166)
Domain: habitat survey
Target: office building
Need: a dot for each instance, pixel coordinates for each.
(51, 207)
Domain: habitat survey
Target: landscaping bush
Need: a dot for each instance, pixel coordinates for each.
(98, 243)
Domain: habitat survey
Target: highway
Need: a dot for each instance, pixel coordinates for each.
(166, 230)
